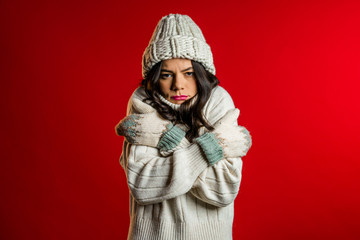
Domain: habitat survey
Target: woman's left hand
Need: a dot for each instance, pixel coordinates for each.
(235, 140)
(227, 140)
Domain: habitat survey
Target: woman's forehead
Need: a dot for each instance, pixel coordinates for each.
(177, 63)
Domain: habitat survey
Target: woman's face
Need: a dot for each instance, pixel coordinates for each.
(177, 80)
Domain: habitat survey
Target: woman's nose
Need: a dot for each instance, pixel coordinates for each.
(178, 83)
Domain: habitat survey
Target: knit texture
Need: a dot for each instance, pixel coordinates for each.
(177, 36)
(211, 147)
(145, 128)
(174, 105)
(128, 127)
(180, 196)
(171, 138)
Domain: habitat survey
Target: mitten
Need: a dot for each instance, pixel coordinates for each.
(226, 140)
(147, 127)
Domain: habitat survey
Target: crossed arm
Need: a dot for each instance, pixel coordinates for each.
(153, 178)
(196, 167)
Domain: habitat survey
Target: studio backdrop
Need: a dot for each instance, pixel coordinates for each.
(68, 69)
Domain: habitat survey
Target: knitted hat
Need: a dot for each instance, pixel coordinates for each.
(177, 36)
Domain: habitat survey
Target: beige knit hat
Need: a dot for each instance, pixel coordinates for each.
(177, 36)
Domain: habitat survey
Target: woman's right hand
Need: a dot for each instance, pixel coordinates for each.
(147, 127)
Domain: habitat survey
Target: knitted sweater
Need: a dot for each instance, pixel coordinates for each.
(180, 196)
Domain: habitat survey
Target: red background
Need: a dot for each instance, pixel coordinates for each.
(69, 67)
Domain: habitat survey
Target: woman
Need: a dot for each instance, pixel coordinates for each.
(183, 147)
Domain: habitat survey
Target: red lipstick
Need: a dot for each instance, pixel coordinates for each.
(179, 97)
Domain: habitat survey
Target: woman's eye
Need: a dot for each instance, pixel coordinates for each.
(190, 73)
(164, 76)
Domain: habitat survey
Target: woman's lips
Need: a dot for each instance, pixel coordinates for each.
(179, 97)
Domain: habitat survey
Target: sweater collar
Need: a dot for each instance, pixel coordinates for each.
(173, 105)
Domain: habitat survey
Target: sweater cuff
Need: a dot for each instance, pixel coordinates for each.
(171, 138)
(211, 147)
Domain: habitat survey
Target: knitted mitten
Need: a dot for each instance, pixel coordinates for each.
(226, 140)
(148, 128)
(173, 140)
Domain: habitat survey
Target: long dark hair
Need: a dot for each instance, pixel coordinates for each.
(189, 114)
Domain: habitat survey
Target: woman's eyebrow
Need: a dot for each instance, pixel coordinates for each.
(165, 70)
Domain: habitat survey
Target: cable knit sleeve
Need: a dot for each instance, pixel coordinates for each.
(153, 178)
(219, 184)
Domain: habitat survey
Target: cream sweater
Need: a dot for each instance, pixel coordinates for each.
(180, 196)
